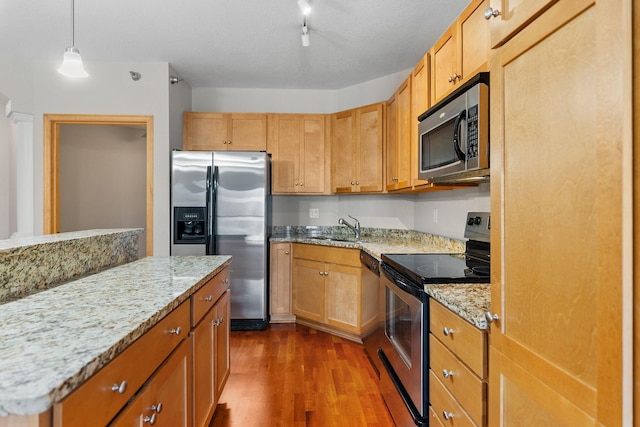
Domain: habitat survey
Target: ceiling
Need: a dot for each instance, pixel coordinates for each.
(235, 43)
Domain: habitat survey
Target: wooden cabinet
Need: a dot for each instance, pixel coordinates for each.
(298, 148)
(210, 347)
(280, 283)
(166, 400)
(100, 398)
(224, 131)
(420, 83)
(458, 368)
(398, 152)
(556, 353)
(356, 149)
(328, 292)
(512, 15)
(461, 52)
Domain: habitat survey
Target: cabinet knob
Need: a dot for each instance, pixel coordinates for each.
(120, 388)
(157, 408)
(175, 331)
(446, 373)
(447, 415)
(353, 183)
(446, 331)
(320, 273)
(450, 79)
(151, 420)
(357, 182)
(286, 252)
(301, 184)
(491, 317)
(491, 13)
(208, 298)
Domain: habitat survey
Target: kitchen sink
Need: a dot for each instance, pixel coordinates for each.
(334, 238)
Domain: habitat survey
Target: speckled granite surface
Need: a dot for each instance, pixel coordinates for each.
(52, 341)
(469, 300)
(31, 264)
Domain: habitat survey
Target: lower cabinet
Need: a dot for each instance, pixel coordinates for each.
(458, 370)
(328, 292)
(280, 283)
(166, 399)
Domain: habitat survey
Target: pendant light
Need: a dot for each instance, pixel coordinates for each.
(72, 61)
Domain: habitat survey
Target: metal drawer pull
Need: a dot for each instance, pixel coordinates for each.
(151, 420)
(446, 373)
(119, 388)
(208, 298)
(175, 331)
(446, 331)
(447, 415)
(491, 13)
(157, 408)
(491, 317)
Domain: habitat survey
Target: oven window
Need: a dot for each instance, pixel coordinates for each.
(437, 147)
(398, 325)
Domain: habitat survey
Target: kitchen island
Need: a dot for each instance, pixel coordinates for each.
(53, 341)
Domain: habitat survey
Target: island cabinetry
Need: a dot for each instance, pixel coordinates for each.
(398, 154)
(166, 400)
(297, 145)
(280, 283)
(328, 292)
(210, 346)
(461, 52)
(458, 369)
(224, 131)
(356, 149)
(101, 397)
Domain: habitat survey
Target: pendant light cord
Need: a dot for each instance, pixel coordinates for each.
(73, 42)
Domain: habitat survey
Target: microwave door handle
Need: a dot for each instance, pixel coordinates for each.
(456, 135)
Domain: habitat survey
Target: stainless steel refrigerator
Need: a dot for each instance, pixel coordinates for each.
(221, 204)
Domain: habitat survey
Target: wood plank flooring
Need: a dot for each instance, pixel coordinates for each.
(292, 375)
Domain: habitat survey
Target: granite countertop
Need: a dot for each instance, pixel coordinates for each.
(470, 300)
(52, 341)
(19, 242)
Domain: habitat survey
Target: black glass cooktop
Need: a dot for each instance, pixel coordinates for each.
(426, 268)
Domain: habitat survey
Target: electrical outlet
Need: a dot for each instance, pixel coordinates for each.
(314, 213)
(435, 216)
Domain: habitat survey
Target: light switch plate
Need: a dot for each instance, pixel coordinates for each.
(314, 213)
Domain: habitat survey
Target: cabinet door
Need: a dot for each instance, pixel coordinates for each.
(473, 40)
(312, 154)
(444, 65)
(169, 392)
(284, 146)
(403, 143)
(392, 147)
(513, 15)
(343, 297)
(221, 349)
(280, 283)
(308, 289)
(204, 384)
(247, 132)
(369, 140)
(343, 173)
(204, 131)
(549, 363)
(419, 104)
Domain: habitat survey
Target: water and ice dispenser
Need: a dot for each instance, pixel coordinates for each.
(189, 225)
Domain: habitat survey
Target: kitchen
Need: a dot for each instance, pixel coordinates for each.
(152, 95)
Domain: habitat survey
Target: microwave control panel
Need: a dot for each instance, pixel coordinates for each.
(472, 132)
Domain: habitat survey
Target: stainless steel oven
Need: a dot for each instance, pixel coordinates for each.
(404, 353)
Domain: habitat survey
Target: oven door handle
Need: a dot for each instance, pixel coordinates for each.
(456, 135)
(415, 414)
(407, 288)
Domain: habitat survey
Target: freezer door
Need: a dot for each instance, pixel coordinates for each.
(241, 228)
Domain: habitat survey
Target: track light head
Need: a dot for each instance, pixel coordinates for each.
(306, 41)
(304, 6)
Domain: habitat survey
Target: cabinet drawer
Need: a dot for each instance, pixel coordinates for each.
(434, 421)
(206, 297)
(463, 339)
(96, 402)
(466, 387)
(448, 410)
(331, 255)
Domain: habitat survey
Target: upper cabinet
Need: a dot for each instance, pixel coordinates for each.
(356, 149)
(461, 52)
(224, 131)
(399, 128)
(298, 148)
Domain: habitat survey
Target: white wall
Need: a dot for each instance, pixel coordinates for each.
(8, 224)
(179, 102)
(110, 90)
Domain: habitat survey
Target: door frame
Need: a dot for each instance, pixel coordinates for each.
(51, 133)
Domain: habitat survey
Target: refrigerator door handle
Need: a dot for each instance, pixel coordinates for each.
(212, 187)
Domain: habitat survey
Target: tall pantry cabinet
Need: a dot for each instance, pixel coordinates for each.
(560, 126)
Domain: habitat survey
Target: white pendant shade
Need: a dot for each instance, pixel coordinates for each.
(72, 64)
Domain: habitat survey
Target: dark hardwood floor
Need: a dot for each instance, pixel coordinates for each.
(292, 375)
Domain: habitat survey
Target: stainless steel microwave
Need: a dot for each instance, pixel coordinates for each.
(453, 135)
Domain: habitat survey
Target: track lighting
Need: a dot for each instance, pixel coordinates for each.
(305, 35)
(72, 61)
(174, 79)
(304, 6)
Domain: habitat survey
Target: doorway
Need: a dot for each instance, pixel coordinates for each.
(53, 124)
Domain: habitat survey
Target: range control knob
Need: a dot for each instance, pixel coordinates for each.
(470, 221)
(478, 220)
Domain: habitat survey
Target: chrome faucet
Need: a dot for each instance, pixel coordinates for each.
(356, 228)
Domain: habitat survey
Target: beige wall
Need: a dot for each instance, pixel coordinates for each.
(102, 178)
